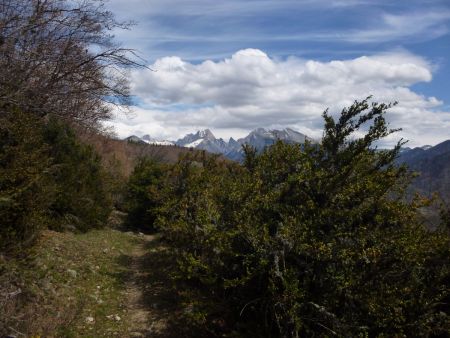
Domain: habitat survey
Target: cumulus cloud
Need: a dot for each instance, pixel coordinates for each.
(251, 89)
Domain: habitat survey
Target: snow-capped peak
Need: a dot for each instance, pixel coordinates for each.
(194, 143)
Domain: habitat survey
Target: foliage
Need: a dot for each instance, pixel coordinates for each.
(48, 179)
(82, 199)
(313, 240)
(25, 185)
(143, 196)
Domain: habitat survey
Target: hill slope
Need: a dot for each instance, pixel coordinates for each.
(433, 166)
(123, 154)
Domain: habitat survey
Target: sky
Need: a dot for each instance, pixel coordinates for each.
(236, 65)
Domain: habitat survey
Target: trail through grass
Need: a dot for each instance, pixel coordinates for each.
(104, 283)
(78, 285)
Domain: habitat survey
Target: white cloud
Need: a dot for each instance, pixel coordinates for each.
(250, 90)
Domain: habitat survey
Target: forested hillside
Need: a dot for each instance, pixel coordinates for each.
(312, 240)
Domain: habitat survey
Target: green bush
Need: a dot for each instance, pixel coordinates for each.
(313, 240)
(143, 195)
(82, 200)
(48, 179)
(26, 190)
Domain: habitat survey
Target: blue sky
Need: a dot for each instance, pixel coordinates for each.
(214, 62)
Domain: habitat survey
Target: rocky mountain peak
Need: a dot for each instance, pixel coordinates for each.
(206, 134)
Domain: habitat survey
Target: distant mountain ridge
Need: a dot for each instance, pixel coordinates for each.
(148, 140)
(205, 140)
(433, 165)
(261, 138)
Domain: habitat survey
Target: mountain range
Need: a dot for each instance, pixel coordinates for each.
(232, 149)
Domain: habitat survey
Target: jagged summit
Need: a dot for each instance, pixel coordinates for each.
(206, 134)
(194, 140)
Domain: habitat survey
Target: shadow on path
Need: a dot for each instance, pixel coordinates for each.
(154, 305)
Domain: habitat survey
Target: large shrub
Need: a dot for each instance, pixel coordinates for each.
(143, 196)
(313, 240)
(48, 179)
(26, 190)
(82, 198)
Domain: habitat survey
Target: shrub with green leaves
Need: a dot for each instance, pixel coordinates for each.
(26, 189)
(143, 196)
(313, 240)
(82, 200)
(48, 179)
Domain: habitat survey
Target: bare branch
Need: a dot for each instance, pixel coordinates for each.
(58, 57)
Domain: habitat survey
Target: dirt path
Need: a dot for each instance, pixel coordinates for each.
(151, 303)
(143, 318)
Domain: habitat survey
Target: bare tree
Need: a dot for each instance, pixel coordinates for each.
(58, 57)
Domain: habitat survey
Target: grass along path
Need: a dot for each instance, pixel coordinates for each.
(98, 284)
